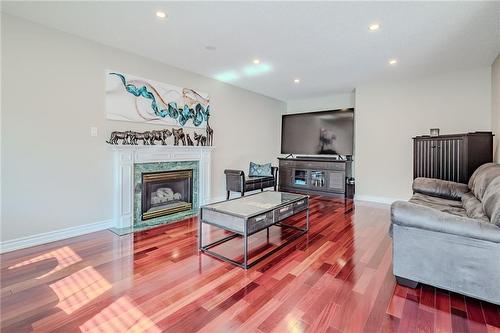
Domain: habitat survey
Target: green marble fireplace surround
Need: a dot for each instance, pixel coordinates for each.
(141, 168)
(138, 170)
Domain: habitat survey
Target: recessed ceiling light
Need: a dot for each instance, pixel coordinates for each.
(161, 14)
(374, 27)
(296, 80)
(210, 48)
(393, 61)
(256, 61)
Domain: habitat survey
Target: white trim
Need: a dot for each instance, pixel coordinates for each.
(52, 236)
(371, 198)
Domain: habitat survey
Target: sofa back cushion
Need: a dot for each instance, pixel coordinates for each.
(473, 207)
(491, 201)
(482, 177)
(478, 170)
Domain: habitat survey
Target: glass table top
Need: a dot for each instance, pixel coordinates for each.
(255, 204)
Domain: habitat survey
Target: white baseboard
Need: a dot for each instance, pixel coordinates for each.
(52, 236)
(370, 198)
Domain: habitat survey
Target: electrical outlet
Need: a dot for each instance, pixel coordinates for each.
(93, 131)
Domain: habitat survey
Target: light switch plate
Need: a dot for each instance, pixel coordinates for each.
(93, 131)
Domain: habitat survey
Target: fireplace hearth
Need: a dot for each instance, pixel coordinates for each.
(165, 193)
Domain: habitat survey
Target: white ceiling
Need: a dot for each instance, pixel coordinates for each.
(325, 44)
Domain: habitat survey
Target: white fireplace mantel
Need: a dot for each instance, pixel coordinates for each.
(126, 156)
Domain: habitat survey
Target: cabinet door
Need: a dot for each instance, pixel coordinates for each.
(318, 179)
(336, 181)
(451, 160)
(300, 177)
(285, 177)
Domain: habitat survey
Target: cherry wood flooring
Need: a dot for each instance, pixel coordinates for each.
(337, 278)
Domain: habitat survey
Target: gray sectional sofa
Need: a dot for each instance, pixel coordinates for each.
(448, 235)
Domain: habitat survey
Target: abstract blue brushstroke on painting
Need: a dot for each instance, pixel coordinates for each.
(182, 105)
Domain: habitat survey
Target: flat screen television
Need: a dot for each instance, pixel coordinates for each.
(318, 133)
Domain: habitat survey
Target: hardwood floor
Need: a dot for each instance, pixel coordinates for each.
(338, 278)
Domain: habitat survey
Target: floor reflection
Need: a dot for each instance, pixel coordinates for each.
(121, 316)
(65, 257)
(79, 288)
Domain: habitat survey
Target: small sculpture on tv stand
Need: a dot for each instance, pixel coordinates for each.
(200, 139)
(117, 135)
(179, 135)
(189, 141)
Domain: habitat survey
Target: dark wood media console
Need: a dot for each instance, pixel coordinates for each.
(451, 157)
(310, 175)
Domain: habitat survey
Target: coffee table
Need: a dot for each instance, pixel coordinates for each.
(248, 215)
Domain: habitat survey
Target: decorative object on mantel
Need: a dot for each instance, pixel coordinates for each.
(199, 138)
(150, 137)
(115, 136)
(179, 135)
(144, 136)
(434, 131)
(210, 135)
(131, 98)
(160, 136)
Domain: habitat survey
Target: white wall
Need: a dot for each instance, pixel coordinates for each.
(389, 114)
(495, 105)
(54, 174)
(330, 102)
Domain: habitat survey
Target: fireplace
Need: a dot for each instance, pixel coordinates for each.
(132, 162)
(165, 193)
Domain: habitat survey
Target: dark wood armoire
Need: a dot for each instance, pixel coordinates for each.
(451, 157)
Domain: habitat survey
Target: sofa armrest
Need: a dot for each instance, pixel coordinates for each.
(235, 180)
(234, 172)
(274, 172)
(439, 188)
(411, 215)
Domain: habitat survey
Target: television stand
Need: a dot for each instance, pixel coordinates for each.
(318, 175)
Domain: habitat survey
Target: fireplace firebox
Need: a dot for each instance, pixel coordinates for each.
(166, 192)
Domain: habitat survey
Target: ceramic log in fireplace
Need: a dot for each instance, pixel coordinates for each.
(165, 193)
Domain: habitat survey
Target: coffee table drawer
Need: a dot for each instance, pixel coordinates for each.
(225, 221)
(300, 205)
(260, 222)
(283, 212)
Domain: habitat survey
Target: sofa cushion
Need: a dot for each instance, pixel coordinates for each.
(474, 207)
(482, 177)
(435, 200)
(439, 188)
(444, 205)
(491, 201)
(260, 170)
(253, 180)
